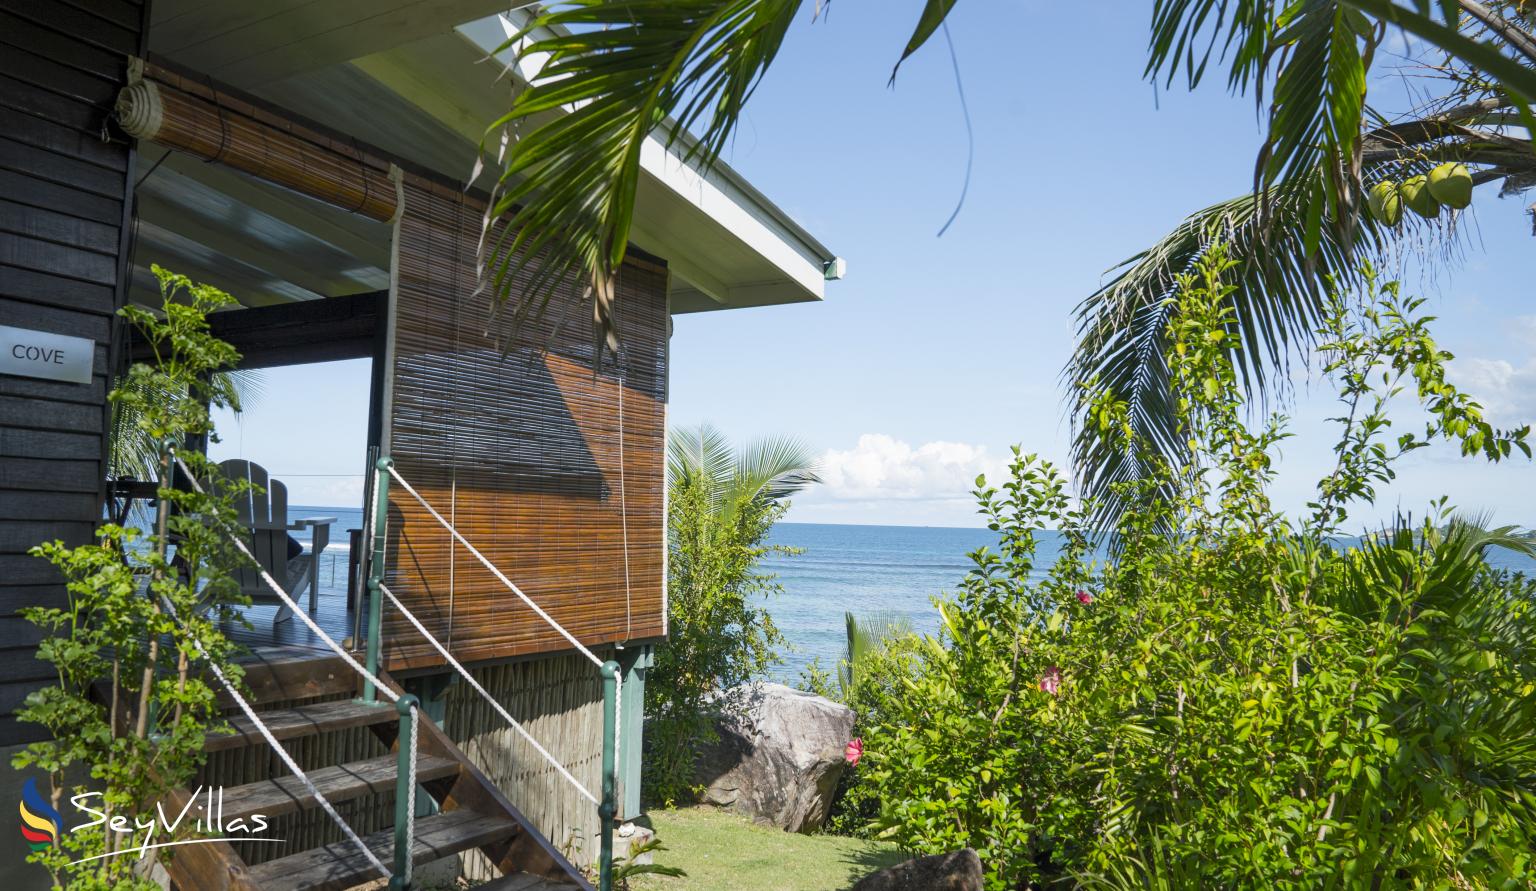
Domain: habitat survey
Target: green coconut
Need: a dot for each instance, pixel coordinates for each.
(1386, 202)
(1416, 195)
(1451, 183)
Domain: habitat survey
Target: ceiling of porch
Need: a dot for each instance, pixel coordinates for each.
(399, 75)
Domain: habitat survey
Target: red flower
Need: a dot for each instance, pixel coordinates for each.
(854, 751)
(1050, 682)
(1084, 597)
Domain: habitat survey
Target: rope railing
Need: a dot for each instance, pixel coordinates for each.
(609, 669)
(475, 685)
(293, 605)
(293, 766)
(406, 705)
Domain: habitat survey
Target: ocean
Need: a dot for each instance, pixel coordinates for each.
(862, 569)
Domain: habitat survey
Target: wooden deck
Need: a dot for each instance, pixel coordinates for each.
(331, 614)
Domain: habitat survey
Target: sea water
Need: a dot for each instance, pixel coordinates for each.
(860, 569)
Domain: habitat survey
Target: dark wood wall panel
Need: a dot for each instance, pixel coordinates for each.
(63, 192)
(521, 449)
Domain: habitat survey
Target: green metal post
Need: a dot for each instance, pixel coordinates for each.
(376, 572)
(404, 743)
(607, 809)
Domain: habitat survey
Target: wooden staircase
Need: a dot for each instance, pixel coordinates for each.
(471, 812)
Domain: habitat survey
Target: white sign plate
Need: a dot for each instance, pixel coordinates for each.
(53, 357)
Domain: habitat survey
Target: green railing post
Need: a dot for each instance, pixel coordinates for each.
(607, 810)
(405, 742)
(376, 571)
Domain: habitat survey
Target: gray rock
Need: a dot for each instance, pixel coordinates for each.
(956, 871)
(779, 756)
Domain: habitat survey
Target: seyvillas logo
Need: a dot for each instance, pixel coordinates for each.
(202, 818)
(40, 823)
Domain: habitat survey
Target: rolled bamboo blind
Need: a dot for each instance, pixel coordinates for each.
(521, 450)
(184, 114)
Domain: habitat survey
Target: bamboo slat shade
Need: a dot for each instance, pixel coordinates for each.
(520, 450)
(182, 113)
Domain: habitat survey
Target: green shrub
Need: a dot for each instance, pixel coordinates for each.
(1236, 700)
(721, 506)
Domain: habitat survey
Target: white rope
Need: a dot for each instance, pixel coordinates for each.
(297, 610)
(494, 571)
(485, 695)
(410, 798)
(618, 677)
(282, 753)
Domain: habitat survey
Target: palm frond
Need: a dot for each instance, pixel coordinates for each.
(1122, 327)
(767, 469)
(702, 450)
(133, 453)
(774, 468)
(866, 637)
(1288, 245)
(620, 72)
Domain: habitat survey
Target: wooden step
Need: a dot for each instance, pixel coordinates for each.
(303, 720)
(340, 783)
(522, 881)
(275, 674)
(340, 865)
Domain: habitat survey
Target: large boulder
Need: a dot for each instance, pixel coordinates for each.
(956, 871)
(779, 756)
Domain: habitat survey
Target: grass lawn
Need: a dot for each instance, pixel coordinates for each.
(724, 852)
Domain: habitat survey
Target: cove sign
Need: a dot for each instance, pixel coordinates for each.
(53, 357)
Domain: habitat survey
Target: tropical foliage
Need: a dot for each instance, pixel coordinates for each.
(616, 74)
(1307, 65)
(722, 504)
(1249, 702)
(127, 711)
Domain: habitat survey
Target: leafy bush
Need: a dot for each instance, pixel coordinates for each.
(127, 708)
(721, 507)
(1236, 700)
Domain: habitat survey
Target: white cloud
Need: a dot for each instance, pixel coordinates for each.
(1506, 391)
(883, 468)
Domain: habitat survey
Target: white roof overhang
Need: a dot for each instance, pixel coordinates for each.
(411, 78)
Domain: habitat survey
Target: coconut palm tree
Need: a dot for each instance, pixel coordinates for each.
(684, 69)
(1301, 226)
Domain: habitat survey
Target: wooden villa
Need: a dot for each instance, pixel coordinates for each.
(308, 157)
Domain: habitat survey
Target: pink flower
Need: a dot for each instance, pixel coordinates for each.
(1050, 682)
(854, 751)
(1084, 597)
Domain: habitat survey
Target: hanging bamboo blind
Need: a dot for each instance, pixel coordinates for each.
(521, 451)
(194, 116)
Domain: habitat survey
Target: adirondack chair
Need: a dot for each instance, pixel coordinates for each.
(265, 514)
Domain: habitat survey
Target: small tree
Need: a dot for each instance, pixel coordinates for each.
(722, 506)
(126, 709)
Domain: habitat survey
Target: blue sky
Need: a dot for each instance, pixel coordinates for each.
(935, 354)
